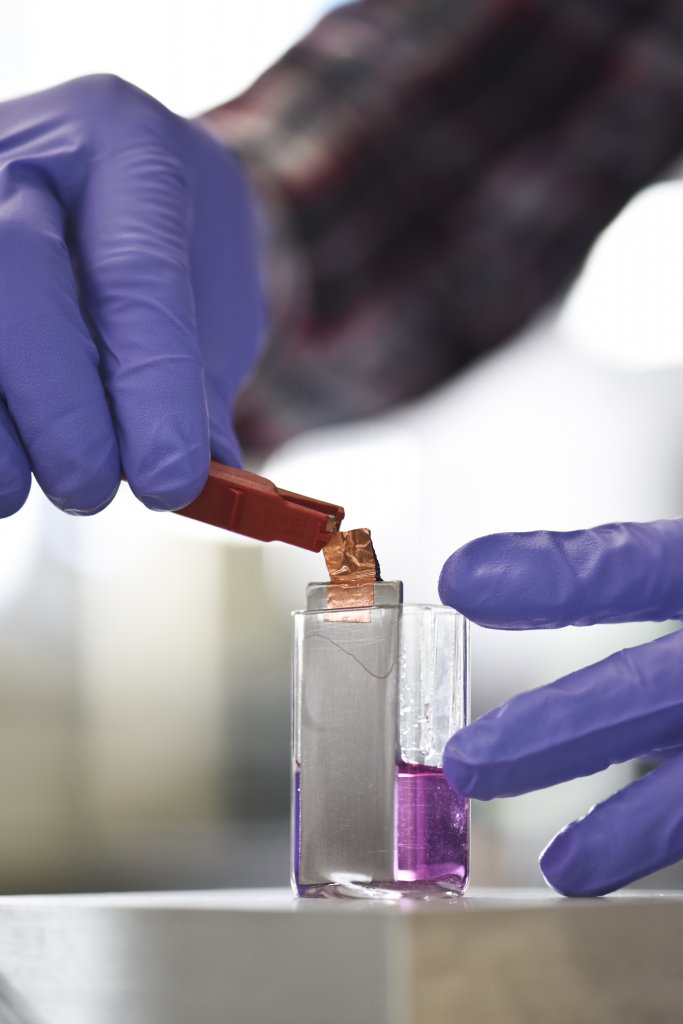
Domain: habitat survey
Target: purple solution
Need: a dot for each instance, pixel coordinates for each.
(432, 828)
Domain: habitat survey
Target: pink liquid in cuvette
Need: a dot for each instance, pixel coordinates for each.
(432, 827)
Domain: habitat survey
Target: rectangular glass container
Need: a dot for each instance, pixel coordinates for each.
(376, 694)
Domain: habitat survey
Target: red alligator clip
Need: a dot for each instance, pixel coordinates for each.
(249, 504)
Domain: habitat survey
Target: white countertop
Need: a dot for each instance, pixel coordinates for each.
(260, 956)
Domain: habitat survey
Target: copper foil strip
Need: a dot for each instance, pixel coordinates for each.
(353, 568)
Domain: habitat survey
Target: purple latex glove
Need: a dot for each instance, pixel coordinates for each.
(130, 302)
(627, 706)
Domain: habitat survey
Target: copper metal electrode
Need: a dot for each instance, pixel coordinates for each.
(353, 568)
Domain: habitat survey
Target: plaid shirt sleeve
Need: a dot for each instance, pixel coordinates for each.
(434, 172)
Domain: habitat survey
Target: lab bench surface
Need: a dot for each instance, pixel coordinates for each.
(261, 957)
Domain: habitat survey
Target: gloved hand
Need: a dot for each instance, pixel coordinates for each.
(130, 301)
(629, 705)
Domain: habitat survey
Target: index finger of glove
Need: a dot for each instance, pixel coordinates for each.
(133, 225)
(610, 712)
(620, 572)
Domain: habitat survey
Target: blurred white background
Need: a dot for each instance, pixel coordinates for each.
(191, 56)
(144, 704)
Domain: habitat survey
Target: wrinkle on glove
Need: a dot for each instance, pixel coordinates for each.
(131, 306)
(628, 705)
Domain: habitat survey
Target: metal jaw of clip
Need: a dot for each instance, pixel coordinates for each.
(246, 503)
(347, 742)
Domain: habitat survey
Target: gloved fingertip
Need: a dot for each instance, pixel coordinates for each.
(445, 595)
(453, 578)
(463, 768)
(473, 580)
(169, 492)
(84, 494)
(168, 501)
(88, 508)
(566, 869)
(555, 865)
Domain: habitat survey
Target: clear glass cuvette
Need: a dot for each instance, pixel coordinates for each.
(376, 694)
